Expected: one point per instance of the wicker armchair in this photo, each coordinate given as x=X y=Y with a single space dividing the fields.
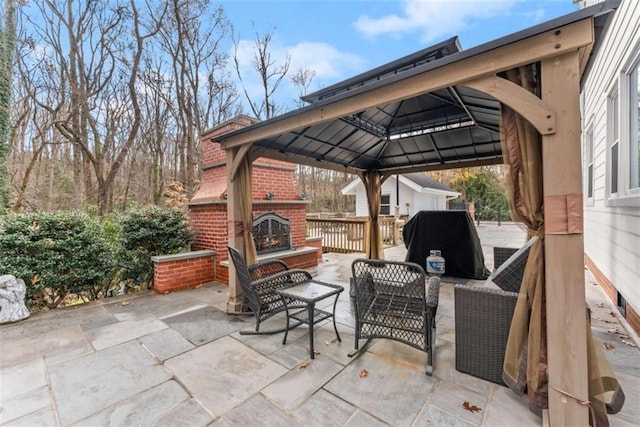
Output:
x=501 y=254
x=391 y=302
x=258 y=283
x=483 y=318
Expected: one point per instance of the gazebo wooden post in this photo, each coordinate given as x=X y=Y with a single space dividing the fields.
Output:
x=234 y=223
x=564 y=248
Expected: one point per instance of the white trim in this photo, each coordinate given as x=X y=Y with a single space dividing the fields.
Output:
x=588 y=159
x=626 y=195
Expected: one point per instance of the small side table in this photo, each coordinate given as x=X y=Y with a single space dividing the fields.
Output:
x=310 y=292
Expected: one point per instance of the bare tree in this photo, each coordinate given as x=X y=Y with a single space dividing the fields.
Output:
x=270 y=73
x=100 y=115
x=302 y=80
x=192 y=37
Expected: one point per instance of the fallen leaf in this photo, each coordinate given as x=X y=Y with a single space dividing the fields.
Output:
x=608 y=346
x=613 y=314
x=316 y=352
x=331 y=341
x=364 y=373
x=125 y=303
x=35 y=279
x=303 y=365
x=470 y=408
x=198 y=286
x=629 y=343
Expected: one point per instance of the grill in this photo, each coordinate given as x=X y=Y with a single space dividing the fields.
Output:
x=271 y=233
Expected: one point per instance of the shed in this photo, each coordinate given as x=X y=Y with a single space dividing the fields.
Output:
x=411 y=193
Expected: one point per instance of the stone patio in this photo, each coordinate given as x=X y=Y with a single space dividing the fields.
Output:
x=178 y=359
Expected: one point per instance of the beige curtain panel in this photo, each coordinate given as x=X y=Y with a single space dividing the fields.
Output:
x=372 y=183
x=246 y=206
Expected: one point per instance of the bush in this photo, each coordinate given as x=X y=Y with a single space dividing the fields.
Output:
x=147 y=232
x=57 y=254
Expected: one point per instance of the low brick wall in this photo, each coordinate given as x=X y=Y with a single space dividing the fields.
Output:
x=182 y=271
x=315 y=242
x=304 y=258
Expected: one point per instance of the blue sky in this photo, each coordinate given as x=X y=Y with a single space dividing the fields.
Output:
x=340 y=38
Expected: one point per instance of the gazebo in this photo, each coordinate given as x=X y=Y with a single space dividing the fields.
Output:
x=514 y=100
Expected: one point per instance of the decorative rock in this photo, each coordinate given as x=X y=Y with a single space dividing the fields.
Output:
x=12 y=293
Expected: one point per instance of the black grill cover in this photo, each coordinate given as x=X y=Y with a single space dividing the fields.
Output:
x=453 y=233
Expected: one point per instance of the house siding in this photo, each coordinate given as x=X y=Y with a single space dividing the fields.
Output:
x=611 y=233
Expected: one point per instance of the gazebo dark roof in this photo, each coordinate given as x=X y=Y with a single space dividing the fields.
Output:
x=453 y=126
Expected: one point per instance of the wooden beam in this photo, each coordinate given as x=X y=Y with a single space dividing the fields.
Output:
x=237 y=160
x=529 y=106
x=234 y=230
x=585 y=52
x=564 y=253
x=545 y=45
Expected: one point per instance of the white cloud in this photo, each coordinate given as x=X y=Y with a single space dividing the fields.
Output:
x=433 y=19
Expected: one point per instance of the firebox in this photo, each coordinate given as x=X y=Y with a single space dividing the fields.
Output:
x=271 y=232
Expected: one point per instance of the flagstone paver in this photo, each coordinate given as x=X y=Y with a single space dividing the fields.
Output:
x=405 y=390
x=46 y=343
x=45 y=417
x=224 y=373
x=205 y=324
x=117 y=333
x=187 y=413
x=166 y=343
x=361 y=419
x=292 y=389
x=505 y=408
x=89 y=384
x=256 y=411
x=451 y=397
x=324 y=409
x=22 y=378
x=23 y=404
x=431 y=415
x=145 y=406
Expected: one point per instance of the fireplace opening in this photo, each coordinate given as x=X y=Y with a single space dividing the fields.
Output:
x=271 y=233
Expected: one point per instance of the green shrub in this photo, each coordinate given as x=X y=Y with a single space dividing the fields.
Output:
x=147 y=232
x=57 y=254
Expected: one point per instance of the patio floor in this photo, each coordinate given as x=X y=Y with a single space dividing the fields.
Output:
x=178 y=359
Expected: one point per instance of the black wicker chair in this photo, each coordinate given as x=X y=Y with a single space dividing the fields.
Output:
x=501 y=254
x=483 y=318
x=258 y=283
x=391 y=302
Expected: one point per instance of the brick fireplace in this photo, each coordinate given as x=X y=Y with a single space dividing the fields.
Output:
x=275 y=197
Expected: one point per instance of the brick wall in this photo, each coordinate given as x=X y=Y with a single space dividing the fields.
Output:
x=182 y=271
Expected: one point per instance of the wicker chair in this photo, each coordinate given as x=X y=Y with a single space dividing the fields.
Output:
x=483 y=318
x=258 y=282
x=391 y=302
x=501 y=254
